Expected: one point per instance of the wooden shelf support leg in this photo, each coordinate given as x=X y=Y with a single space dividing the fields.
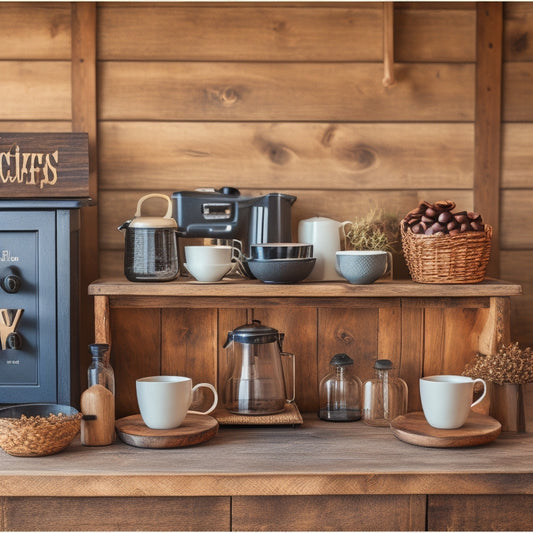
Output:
x=388 y=44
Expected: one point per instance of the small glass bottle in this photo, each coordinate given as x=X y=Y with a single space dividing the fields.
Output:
x=340 y=392
x=100 y=371
x=385 y=396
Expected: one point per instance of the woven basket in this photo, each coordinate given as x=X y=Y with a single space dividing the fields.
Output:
x=441 y=258
x=35 y=436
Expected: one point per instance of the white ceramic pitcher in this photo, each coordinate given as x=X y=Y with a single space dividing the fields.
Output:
x=327 y=237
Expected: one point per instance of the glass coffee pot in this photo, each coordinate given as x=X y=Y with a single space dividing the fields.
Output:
x=340 y=391
x=385 y=396
x=256 y=384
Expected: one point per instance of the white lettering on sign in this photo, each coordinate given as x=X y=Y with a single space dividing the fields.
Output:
x=12 y=362
x=6 y=256
x=28 y=168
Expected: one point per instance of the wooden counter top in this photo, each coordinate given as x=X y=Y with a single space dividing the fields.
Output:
x=316 y=458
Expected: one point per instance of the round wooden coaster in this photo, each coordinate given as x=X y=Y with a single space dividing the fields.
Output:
x=195 y=429
x=414 y=429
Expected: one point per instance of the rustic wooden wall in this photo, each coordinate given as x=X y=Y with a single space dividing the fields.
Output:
x=279 y=97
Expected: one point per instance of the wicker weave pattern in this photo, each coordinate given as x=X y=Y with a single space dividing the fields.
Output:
x=28 y=438
x=442 y=258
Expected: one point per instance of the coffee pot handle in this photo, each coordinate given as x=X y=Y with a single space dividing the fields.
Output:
x=293 y=370
x=168 y=214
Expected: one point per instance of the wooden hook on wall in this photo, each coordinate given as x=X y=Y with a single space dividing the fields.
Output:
x=388 y=44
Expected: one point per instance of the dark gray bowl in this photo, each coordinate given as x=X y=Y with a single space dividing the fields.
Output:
x=281 y=250
x=281 y=270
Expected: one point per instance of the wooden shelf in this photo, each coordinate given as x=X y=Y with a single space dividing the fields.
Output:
x=316 y=458
x=257 y=289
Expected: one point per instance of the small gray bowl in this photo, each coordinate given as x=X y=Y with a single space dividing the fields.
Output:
x=281 y=250
x=281 y=270
x=363 y=267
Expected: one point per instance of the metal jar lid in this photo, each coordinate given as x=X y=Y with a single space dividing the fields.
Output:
x=254 y=333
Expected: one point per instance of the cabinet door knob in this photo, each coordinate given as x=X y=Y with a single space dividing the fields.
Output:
x=11 y=283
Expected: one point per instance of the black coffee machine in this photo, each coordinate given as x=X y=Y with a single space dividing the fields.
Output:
x=224 y=214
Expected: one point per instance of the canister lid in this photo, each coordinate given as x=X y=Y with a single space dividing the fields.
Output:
x=254 y=333
x=383 y=364
x=341 y=359
x=153 y=222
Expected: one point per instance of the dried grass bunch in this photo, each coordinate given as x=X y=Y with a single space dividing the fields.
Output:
x=510 y=365
x=376 y=231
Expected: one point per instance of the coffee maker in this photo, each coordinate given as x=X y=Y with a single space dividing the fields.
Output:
x=225 y=214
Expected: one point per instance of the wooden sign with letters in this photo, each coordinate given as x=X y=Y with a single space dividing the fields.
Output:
x=44 y=165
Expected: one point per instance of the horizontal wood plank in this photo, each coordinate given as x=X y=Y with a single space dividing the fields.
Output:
x=278 y=32
x=517 y=104
x=185 y=155
x=116 y=514
x=516 y=219
x=40 y=30
x=31 y=126
x=250 y=33
x=281 y=91
x=517 y=266
x=504 y=512
x=518 y=25
x=517 y=140
x=35 y=90
x=254 y=288
x=323 y=513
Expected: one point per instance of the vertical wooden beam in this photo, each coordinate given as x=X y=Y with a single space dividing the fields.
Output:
x=487 y=153
x=84 y=119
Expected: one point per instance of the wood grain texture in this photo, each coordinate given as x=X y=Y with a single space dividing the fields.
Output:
x=194 y=430
x=116 y=514
x=516 y=207
x=47 y=31
x=516 y=140
x=22 y=99
x=517 y=105
x=301 y=337
x=504 y=512
x=98 y=401
x=489 y=24
x=280 y=91
x=478 y=430
x=136 y=353
x=328 y=513
x=270 y=33
x=316 y=458
x=353 y=333
x=518 y=23
x=190 y=344
x=297 y=155
x=518 y=265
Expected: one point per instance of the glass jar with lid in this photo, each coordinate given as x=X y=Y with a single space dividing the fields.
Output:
x=340 y=392
x=385 y=396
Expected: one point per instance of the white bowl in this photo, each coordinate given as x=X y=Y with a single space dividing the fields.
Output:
x=208 y=272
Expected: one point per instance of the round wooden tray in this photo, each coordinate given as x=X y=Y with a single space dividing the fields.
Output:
x=414 y=429
x=195 y=429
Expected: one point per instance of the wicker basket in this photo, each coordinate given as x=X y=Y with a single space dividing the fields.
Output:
x=440 y=258
x=25 y=433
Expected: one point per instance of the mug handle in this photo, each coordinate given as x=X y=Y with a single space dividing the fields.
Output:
x=342 y=227
x=215 y=401
x=391 y=263
x=479 y=380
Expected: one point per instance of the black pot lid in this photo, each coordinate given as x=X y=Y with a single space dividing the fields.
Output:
x=254 y=333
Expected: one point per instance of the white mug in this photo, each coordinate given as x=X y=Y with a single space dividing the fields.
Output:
x=447 y=399
x=212 y=254
x=164 y=401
